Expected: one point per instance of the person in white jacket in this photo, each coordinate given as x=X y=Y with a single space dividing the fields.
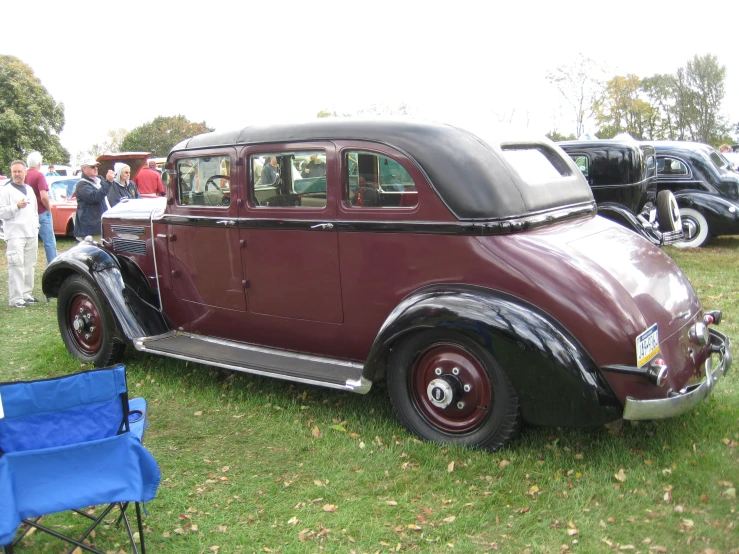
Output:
x=19 y=212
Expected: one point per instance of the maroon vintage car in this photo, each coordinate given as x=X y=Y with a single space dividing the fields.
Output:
x=473 y=275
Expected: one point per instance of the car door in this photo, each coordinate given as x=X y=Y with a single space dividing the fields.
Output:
x=290 y=246
x=206 y=274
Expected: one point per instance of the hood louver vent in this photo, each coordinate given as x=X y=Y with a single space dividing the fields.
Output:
x=137 y=247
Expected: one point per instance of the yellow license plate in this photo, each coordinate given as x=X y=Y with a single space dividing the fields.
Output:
x=647 y=346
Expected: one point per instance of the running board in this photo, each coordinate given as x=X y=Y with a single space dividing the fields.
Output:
x=269 y=362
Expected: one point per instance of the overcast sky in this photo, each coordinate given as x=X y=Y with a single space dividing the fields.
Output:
x=121 y=64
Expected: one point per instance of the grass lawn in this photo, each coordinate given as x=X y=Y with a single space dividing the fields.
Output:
x=257 y=465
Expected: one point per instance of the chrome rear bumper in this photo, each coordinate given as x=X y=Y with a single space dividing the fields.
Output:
x=688 y=398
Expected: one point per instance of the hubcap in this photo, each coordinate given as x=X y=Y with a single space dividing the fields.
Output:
x=85 y=323
x=451 y=388
x=690 y=228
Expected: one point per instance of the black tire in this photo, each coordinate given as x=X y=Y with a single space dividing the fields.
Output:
x=88 y=328
x=668 y=213
x=486 y=415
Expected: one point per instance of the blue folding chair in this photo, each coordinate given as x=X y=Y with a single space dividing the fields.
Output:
x=69 y=443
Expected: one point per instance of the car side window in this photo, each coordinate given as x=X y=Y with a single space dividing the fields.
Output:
x=651 y=167
x=288 y=179
x=376 y=181
x=583 y=164
x=671 y=167
x=204 y=181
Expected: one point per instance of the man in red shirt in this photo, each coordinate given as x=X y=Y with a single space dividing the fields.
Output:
x=149 y=182
x=36 y=180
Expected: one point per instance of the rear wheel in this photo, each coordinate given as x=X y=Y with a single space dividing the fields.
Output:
x=446 y=388
x=695 y=227
x=87 y=326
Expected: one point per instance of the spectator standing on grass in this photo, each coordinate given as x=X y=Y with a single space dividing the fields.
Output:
x=149 y=182
x=19 y=212
x=36 y=180
x=122 y=186
x=91 y=191
x=51 y=172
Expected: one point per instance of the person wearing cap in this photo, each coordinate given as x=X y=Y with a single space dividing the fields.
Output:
x=36 y=180
x=149 y=182
x=18 y=211
x=122 y=186
x=153 y=165
x=51 y=172
x=91 y=192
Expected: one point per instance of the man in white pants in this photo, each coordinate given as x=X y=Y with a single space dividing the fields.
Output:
x=19 y=212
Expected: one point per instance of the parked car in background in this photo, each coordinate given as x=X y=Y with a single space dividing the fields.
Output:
x=705 y=188
x=472 y=274
x=61 y=170
x=622 y=175
x=63 y=204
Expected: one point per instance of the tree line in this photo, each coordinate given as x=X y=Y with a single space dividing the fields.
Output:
x=685 y=105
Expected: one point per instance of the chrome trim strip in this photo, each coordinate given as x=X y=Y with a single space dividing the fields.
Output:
x=688 y=399
x=154 y=255
x=361 y=385
x=460 y=227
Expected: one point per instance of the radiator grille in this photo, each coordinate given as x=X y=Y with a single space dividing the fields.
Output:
x=137 y=247
x=130 y=229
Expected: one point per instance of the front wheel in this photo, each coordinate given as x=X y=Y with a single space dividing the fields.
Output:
x=446 y=388
x=87 y=326
x=695 y=227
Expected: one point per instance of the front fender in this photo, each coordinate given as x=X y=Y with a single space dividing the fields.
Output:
x=623 y=216
x=722 y=214
x=557 y=382
x=119 y=289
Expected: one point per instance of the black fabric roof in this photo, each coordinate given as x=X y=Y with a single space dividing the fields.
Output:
x=472 y=176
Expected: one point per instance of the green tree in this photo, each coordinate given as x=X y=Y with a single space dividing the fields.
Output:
x=705 y=78
x=557 y=136
x=161 y=134
x=30 y=119
x=661 y=91
x=622 y=110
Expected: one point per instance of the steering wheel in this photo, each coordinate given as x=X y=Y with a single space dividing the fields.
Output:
x=225 y=200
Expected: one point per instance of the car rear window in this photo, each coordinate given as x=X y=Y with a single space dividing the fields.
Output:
x=534 y=165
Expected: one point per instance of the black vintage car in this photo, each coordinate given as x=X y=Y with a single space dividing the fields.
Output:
x=622 y=175
x=705 y=187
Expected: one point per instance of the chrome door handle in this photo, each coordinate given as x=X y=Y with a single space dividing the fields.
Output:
x=326 y=226
x=226 y=222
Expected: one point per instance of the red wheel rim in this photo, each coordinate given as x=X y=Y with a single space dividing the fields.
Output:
x=472 y=399
x=85 y=323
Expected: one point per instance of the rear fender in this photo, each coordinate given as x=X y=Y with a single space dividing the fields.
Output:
x=122 y=287
x=557 y=382
x=623 y=216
